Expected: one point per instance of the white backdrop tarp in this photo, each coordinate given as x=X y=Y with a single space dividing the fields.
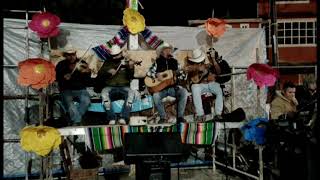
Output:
x=240 y=47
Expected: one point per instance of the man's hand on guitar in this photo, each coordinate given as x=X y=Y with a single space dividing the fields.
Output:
x=212 y=77
x=159 y=76
x=202 y=68
x=190 y=68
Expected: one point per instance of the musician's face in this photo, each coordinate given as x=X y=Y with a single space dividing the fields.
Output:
x=312 y=87
x=289 y=93
x=72 y=57
x=166 y=52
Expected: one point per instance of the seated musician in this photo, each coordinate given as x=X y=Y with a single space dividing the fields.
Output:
x=203 y=78
x=165 y=62
x=113 y=81
x=73 y=76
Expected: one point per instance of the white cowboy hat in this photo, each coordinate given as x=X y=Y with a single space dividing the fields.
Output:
x=69 y=49
x=197 y=56
x=163 y=46
x=115 y=49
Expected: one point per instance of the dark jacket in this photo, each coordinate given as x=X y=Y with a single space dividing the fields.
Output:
x=164 y=64
x=121 y=78
x=77 y=81
x=306 y=100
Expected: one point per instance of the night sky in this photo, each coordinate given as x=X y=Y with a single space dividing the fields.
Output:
x=161 y=12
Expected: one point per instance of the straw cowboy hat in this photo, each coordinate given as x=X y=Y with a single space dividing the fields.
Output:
x=162 y=47
x=197 y=56
x=115 y=50
x=69 y=49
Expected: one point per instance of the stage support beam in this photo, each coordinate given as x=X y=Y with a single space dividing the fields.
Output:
x=133 y=43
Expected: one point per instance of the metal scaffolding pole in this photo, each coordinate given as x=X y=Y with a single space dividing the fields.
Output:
x=274 y=32
x=21 y=11
x=27 y=157
x=274 y=36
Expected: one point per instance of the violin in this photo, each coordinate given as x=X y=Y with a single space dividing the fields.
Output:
x=80 y=66
x=126 y=62
x=83 y=67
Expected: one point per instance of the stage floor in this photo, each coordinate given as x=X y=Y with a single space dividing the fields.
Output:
x=186 y=174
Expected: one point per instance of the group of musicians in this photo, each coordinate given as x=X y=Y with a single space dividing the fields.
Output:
x=113 y=80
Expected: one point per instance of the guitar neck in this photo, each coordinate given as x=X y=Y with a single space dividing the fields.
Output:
x=230 y=74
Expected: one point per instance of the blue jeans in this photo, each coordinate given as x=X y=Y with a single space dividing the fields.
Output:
x=212 y=87
x=182 y=95
x=109 y=94
x=76 y=111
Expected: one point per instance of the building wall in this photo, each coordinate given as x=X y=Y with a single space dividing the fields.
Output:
x=251 y=24
x=304 y=9
x=296 y=55
x=295 y=78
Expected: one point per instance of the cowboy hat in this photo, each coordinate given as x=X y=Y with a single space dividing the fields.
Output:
x=115 y=50
x=69 y=49
x=197 y=56
x=163 y=46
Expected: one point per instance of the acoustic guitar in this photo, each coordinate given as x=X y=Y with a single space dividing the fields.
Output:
x=195 y=74
x=154 y=85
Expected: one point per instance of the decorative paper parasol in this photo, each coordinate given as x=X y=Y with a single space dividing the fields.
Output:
x=133 y=20
x=45 y=24
x=262 y=74
x=36 y=72
x=215 y=27
x=41 y=139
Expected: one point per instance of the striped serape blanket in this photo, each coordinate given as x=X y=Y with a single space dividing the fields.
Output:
x=111 y=137
x=103 y=50
x=151 y=39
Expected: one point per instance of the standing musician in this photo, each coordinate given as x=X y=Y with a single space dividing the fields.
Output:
x=202 y=77
x=114 y=79
x=73 y=76
x=165 y=62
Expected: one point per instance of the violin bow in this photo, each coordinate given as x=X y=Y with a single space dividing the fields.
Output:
x=77 y=64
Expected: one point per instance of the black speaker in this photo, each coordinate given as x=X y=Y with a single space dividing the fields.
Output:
x=149 y=170
x=237 y=115
x=151 y=146
x=153 y=152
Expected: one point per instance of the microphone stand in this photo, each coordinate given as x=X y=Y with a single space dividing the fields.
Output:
x=176 y=88
x=225 y=149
